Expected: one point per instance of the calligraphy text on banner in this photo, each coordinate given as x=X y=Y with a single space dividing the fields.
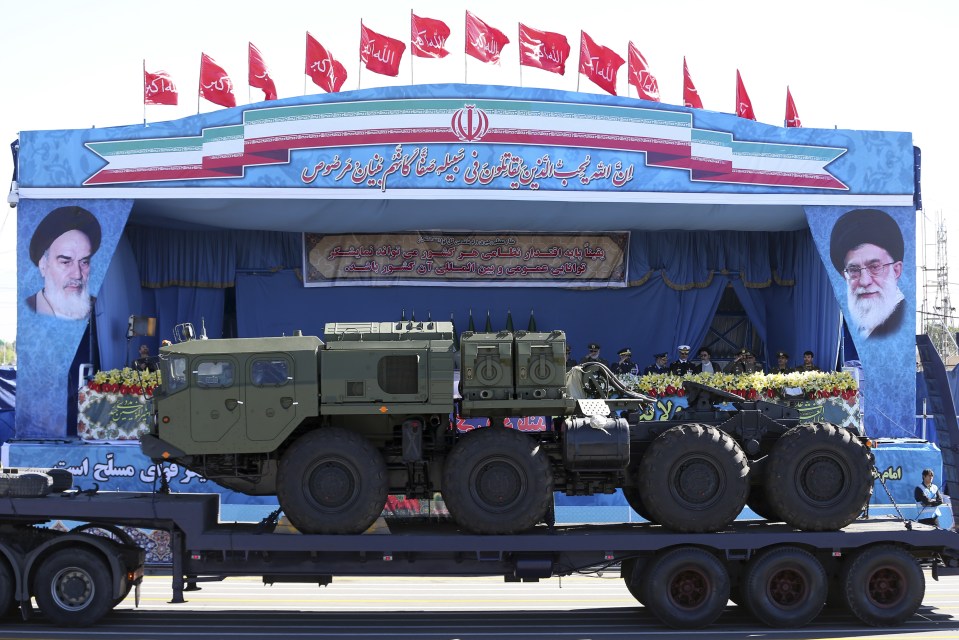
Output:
x=466 y=259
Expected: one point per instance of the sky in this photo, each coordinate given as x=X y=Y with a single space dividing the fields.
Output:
x=852 y=64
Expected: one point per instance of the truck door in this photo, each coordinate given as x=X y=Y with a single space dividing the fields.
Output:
x=270 y=396
x=216 y=398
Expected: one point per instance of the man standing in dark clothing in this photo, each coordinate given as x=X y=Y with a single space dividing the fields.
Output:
x=593 y=355
x=625 y=364
x=928 y=500
x=684 y=365
x=659 y=366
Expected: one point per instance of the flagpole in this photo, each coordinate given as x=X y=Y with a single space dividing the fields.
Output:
x=466 y=36
x=359 y=70
x=411 y=47
x=519 y=47
x=579 y=70
x=199 y=84
x=145 y=100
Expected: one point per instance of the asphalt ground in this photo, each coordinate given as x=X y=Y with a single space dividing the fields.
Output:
x=574 y=608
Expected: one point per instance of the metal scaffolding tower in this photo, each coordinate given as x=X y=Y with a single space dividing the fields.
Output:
x=938 y=319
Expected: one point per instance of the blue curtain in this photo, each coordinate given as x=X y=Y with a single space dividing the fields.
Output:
x=119 y=299
x=176 y=305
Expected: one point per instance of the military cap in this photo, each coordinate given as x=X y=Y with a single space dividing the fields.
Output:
x=58 y=222
x=625 y=351
x=683 y=347
x=745 y=352
x=782 y=354
x=864 y=226
x=593 y=346
x=660 y=355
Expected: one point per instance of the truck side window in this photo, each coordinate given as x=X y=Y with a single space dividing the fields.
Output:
x=174 y=373
x=269 y=373
x=214 y=374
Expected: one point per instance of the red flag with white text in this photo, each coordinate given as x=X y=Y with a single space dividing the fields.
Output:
x=215 y=84
x=744 y=106
x=324 y=70
x=792 y=115
x=428 y=37
x=598 y=63
x=381 y=54
x=483 y=42
x=690 y=95
x=544 y=50
x=260 y=74
x=158 y=88
x=640 y=77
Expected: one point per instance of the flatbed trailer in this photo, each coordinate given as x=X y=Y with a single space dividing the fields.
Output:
x=781 y=575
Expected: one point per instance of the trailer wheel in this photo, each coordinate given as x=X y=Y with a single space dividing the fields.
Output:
x=72 y=588
x=636 y=503
x=332 y=480
x=632 y=574
x=818 y=477
x=7 y=586
x=883 y=586
x=497 y=480
x=785 y=587
x=694 y=478
x=687 y=588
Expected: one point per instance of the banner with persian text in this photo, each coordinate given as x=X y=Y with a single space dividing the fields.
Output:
x=466 y=259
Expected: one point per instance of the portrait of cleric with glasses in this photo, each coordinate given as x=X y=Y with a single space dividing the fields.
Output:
x=866 y=248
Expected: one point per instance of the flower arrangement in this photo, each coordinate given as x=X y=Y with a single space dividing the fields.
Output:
x=752 y=386
x=125 y=381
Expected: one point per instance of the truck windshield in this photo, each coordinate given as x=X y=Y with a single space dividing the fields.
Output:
x=174 y=373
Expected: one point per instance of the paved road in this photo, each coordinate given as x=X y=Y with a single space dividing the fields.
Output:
x=582 y=607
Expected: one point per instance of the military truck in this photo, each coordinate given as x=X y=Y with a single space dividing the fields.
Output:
x=334 y=426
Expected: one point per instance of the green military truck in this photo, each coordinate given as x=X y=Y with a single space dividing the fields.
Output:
x=333 y=426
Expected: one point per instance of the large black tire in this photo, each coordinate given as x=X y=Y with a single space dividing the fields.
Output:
x=632 y=571
x=785 y=587
x=72 y=588
x=759 y=503
x=818 y=477
x=883 y=585
x=7 y=589
x=687 y=588
x=332 y=480
x=693 y=478
x=497 y=480
x=636 y=503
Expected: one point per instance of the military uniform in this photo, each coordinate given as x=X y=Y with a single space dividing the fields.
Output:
x=591 y=348
x=684 y=365
x=625 y=366
x=741 y=365
x=780 y=367
x=656 y=367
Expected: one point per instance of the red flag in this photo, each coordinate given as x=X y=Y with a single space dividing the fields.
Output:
x=381 y=54
x=158 y=88
x=483 y=42
x=640 y=77
x=690 y=95
x=326 y=72
x=792 y=116
x=744 y=106
x=215 y=85
x=260 y=74
x=428 y=37
x=543 y=49
x=598 y=63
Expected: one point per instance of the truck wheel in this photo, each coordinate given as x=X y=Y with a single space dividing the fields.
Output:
x=332 y=480
x=687 y=588
x=759 y=503
x=72 y=588
x=636 y=503
x=818 y=477
x=694 y=478
x=7 y=587
x=497 y=480
x=785 y=587
x=883 y=585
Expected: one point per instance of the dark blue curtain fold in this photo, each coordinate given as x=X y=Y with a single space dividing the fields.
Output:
x=119 y=298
